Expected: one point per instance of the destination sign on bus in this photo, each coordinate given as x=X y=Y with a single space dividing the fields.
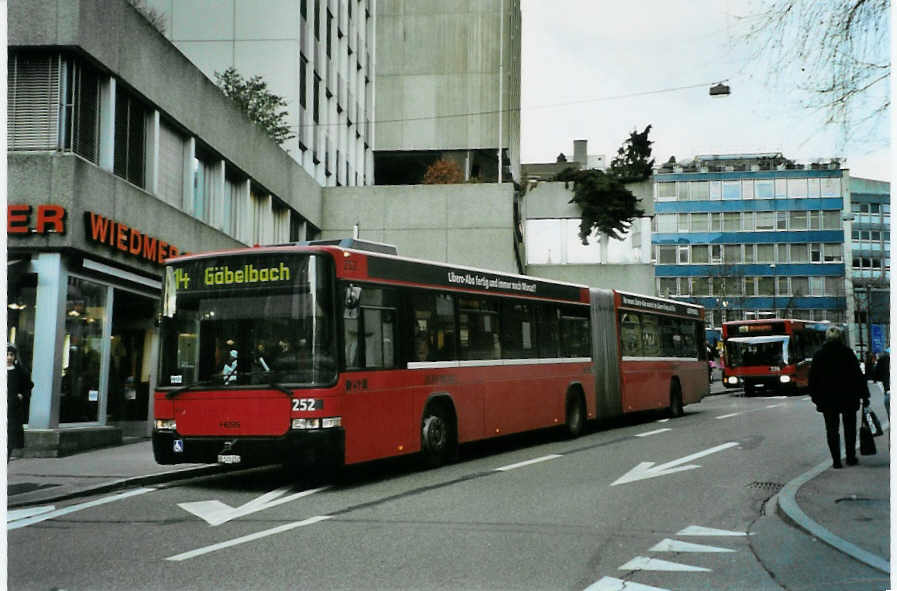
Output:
x=760 y=329
x=236 y=273
x=642 y=303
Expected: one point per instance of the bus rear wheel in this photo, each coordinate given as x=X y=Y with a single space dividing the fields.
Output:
x=676 y=407
x=576 y=416
x=438 y=441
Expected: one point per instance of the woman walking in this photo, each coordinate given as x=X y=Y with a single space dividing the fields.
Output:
x=18 y=393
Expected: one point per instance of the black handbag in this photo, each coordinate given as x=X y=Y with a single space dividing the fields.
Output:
x=874 y=423
x=867 y=443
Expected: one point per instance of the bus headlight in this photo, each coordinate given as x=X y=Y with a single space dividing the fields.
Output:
x=732 y=380
x=325 y=423
x=784 y=379
x=165 y=425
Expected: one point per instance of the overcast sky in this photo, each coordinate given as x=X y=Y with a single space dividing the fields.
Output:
x=578 y=54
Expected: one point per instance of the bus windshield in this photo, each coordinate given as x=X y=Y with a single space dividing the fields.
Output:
x=246 y=320
x=752 y=351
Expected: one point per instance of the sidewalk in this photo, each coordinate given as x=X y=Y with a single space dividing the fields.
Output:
x=847 y=509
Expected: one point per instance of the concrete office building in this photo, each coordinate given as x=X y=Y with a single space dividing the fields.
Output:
x=316 y=54
x=120 y=154
x=553 y=249
x=753 y=236
x=447 y=85
x=870 y=273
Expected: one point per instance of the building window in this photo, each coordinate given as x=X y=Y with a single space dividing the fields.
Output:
x=699 y=191
x=85 y=313
x=782 y=253
x=749 y=253
x=831 y=187
x=666 y=255
x=800 y=286
x=203 y=183
x=781 y=220
x=715 y=190
x=798 y=220
x=732 y=222
x=32 y=102
x=831 y=220
x=666 y=223
x=800 y=253
x=832 y=253
x=764 y=189
x=130 y=137
x=817 y=286
x=813 y=188
x=316 y=98
x=683 y=225
x=683 y=255
x=700 y=253
x=765 y=253
x=81 y=110
x=667 y=286
x=230 y=204
x=303 y=84
x=682 y=189
x=747 y=189
x=731 y=189
x=171 y=165
x=815 y=253
x=781 y=188
x=666 y=191
x=765 y=220
x=732 y=254
x=700 y=222
x=766 y=286
x=797 y=188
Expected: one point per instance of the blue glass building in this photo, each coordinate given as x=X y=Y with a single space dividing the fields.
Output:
x=753 y=236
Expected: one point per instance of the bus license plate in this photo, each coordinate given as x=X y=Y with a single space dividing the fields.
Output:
x=228 y=459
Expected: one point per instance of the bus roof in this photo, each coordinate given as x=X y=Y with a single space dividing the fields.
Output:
x=379 y=266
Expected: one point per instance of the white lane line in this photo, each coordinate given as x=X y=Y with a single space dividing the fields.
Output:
x=663 y=421
x=527 y=462
x=612 y=584
x=773 y=405
x=652 y=432
x=734 y=414
x=669 y=545
x=697 y=530
x=54 y=514
x=645 y=563
x=249 y=538
x=17 y=514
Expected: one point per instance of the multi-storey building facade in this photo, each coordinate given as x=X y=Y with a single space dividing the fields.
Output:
x=870 y=272
x=121 y=153
x=316 y=54
x=447 y=85
x=753 y=236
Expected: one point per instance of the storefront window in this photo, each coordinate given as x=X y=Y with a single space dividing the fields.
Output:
x=21 y=290
x=130 y=357
x=85 y=311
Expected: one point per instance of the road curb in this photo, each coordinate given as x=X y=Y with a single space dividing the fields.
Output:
x=146 y=479
x=787 y=507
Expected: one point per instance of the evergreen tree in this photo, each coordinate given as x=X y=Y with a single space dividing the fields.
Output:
x=257 y=102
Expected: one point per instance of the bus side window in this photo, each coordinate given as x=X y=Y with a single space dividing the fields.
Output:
x=433 y=327
x=576 y=338
x=631 y=334
x=650 y=336
x=478 y=328
x=378 y=318
x=548 y=329
x=351 y=330
x=517 y=331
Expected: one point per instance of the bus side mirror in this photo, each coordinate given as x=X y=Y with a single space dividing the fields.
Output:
x=353 y=296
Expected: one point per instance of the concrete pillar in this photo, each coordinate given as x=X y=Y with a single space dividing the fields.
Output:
x=49 y=336
x=107 y=124
x=152 y=153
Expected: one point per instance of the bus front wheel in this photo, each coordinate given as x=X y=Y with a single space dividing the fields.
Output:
x=676 y=407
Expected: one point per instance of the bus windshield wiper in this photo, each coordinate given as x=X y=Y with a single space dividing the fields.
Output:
x=265 y=372
x=188 y=387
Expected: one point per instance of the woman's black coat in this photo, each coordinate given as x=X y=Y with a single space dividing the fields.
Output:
x=836 y=381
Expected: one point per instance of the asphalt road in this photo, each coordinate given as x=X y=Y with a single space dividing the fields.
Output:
x=525 y=512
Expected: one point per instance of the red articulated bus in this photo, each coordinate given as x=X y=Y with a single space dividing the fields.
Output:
x=773 y=354
x=339 y=351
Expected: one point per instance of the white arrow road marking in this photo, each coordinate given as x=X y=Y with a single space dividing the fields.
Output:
x=54 y=514
x=697 y=530
x=216 y=512
x=612 y=584
x=645 y=563
x=527 y=462
x=645 y=469
x=249 y=538
x=669 y=545
x=17 y=514
x=652 y=432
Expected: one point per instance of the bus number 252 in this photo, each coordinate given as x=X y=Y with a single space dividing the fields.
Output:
x=308 y=404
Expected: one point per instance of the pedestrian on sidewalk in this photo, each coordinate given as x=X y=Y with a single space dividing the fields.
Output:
x=18 y=394
x=837 y=385
x=883 y=375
